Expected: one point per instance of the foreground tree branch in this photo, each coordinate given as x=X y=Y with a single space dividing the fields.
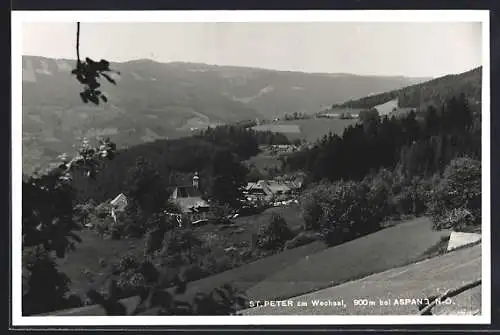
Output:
x=449 y=294
x=89 y=73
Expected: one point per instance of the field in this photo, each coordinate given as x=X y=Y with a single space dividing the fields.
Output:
x=264 y=161
x=310 y=130
x=313 y=266
x=388 y=248
x=416 y=281
x=83 y=265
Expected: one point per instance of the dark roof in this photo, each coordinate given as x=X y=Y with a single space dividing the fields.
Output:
x=187 y=203
x=188 y=191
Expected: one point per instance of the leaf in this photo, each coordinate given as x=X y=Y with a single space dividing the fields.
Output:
x=94 y=99
x=104 y=98
x=111 y=80
x=104 y=63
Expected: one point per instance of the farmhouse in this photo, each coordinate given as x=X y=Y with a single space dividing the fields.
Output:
x=271 y=190
x=118 y=204
x=258 y=191
x=189 y=199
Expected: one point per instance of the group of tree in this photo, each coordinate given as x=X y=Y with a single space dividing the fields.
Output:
x=174 y=160
x=50 y=227
x=344 y=210
x=418 y=146
x=296 y=116
x=242 y=140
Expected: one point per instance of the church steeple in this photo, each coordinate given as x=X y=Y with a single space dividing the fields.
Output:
x=196 y=180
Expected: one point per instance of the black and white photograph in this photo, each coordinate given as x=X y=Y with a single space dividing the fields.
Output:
x=326 y=167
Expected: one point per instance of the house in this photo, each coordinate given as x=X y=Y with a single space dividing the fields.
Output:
x=267 y=190
x=279 y=189
x=258 y=191
x=189 y=199
x=118 y=204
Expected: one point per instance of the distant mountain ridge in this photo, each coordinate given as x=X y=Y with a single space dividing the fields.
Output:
x=155 y=100
x=420 y=95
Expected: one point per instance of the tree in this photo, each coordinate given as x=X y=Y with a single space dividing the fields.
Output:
x=274 y=235
x=84 y=211
x=254 y=174
x=146 y=188
x=456 y=201
x=228 y=176
x=340 y=210
x=49 y=227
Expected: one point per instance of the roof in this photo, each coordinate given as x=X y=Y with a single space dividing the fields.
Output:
x=268 y=186
x=277 y=187
x=119 y=201
x=189 y=202
x=293 y=183
x=261 y=185
x=186 y=191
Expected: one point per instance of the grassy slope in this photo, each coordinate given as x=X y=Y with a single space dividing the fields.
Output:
x=87 y=254
x=415 y=281
x=388 y=248
x=311 y=267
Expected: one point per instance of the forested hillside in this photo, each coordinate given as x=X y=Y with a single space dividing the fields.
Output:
x=434 y=92
x=416 y=147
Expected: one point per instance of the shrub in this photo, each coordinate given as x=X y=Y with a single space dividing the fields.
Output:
x=158 y=226
x=457 y=219
x=274 y=235
x=413 y=197
x=133 y=275
x=45 y=288
x=379 y=192
x=456 y=201
x=181 y=247
x=132 y=222
x=312 y=202
x=340 y=211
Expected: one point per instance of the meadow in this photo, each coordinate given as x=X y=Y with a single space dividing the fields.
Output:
x=296 y=271
x=84 y=268
x=309 y=130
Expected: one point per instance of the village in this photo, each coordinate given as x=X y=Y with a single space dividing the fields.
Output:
x=195 y=207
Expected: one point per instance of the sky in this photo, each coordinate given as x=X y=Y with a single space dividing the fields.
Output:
x=416 y=49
